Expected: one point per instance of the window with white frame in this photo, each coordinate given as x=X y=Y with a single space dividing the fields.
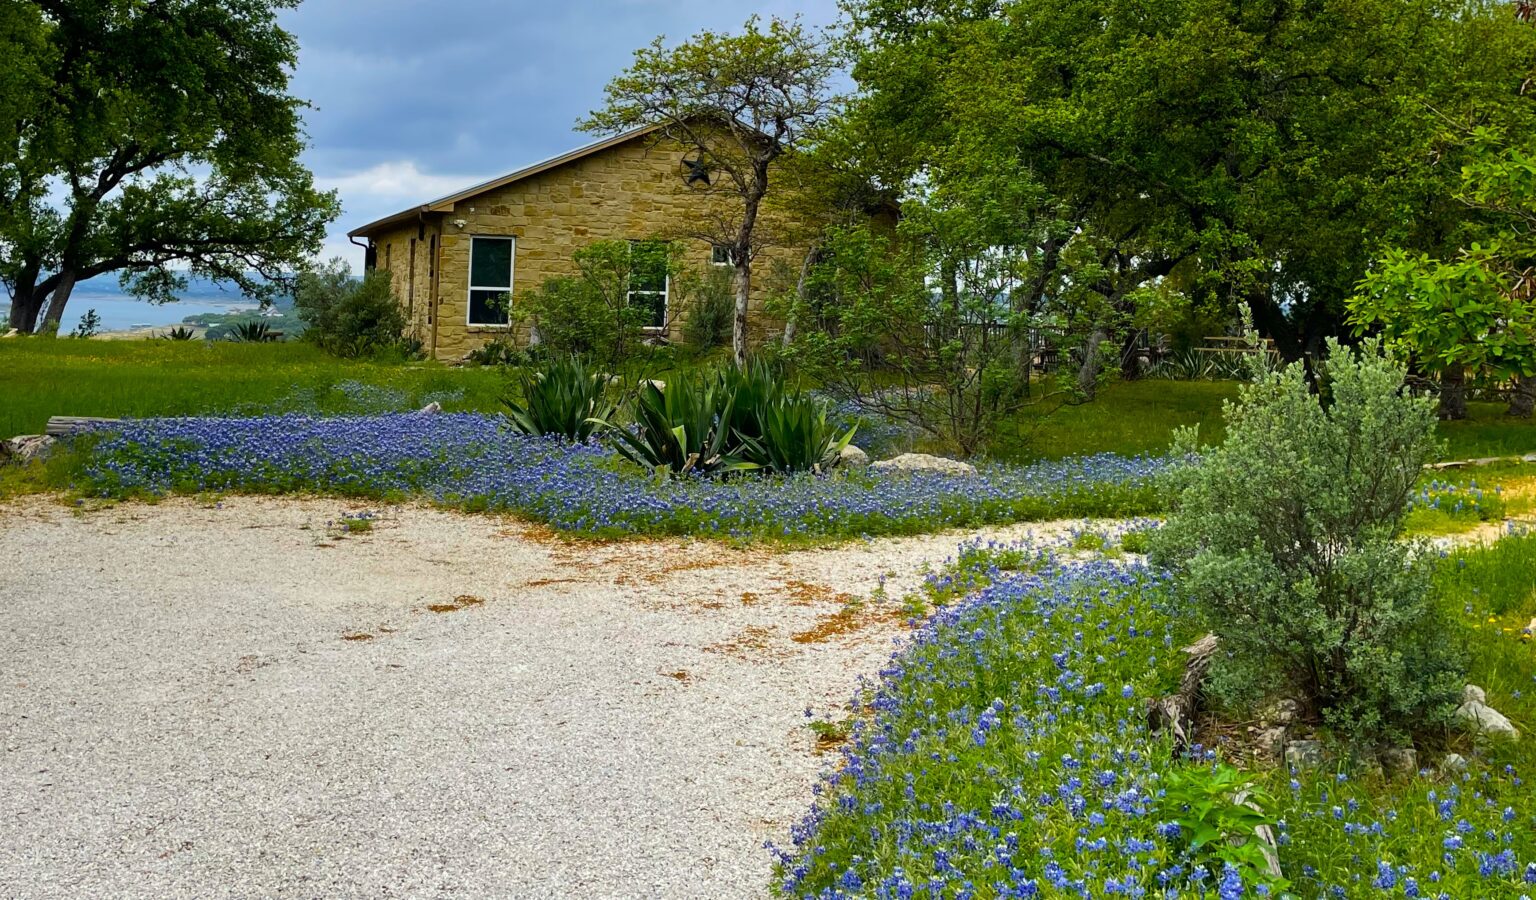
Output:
x=649 y=262
x=720 y=255
x=490 y=280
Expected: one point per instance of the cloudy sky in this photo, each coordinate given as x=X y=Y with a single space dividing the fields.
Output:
x=416 y=99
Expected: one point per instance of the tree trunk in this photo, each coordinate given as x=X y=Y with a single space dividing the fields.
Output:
x=1522 y=397
x=1088 y=373
x=58 y=300
x=1453 y=393
x=802 y=294
x=26 y=301
x=743 y=286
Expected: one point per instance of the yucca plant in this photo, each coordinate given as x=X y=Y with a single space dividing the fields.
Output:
x=681 y=427
x=252 y=333
x=179 y=333
x=795 y=437
x=563 y=398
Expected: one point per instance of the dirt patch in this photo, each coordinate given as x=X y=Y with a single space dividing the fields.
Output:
x=463 y=601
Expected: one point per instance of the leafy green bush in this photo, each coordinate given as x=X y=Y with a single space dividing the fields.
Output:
x=1286 y=537
x=499 y=351
x=1219 y=812
x=348 y=317
x=563 y=398
x=597 y=312
x=710 y=307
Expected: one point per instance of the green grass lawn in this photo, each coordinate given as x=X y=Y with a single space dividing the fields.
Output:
x=41 y=378
x=1140 y=416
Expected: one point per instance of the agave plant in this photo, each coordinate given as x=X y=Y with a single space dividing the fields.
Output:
x=682 y=427
x=179 y=333
x=563 y=398
x=252 y=333
x=795 y=437
x=754 y=388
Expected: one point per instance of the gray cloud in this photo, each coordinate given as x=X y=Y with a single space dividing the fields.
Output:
x=413 y=100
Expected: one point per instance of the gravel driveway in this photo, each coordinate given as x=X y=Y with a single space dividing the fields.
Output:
x=236 y=700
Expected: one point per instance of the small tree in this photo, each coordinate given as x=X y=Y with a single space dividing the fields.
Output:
x=736 y=103
x=1287 y=539
x=600 y=313
x=346 y=316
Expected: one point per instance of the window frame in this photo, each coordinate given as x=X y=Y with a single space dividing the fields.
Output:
x=469 y=276
x=665 y=292
x=720 y=250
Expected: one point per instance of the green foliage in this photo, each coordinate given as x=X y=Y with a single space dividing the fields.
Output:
x=795 y=437
x=953 y=361
x=1242 y=151
x=1286 y=537
x=348 y=317
x=499 y=351
x=680 y=428
x=563 y=398
x=90 y=324
x=1215 y=829
x=155 y=140
x=252 y=333
x=708 y=321
x=591 y=313
x=179 y=333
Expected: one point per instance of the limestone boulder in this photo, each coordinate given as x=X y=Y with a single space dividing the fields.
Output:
x=909 y=463
x=1475 y=715
x=24 y=448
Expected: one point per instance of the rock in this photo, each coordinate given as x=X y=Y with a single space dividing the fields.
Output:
x=14 y=332
x=24 y=448
x=1400 y=762
x=852 y=457
x=1529 y=457
x=656 y=383
x=1270 y=741
x=1281 y=712
x=1480 y=718
x=1304 y=754
x=923 y=462
x=431 y=409
x=1453 y=762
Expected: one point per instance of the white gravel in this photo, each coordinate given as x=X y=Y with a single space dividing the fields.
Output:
x=189 y=705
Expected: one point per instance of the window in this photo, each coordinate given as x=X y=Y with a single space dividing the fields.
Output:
x=720 y=255
x=490 y=280
x=648 y=280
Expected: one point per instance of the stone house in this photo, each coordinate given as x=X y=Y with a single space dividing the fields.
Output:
x=454 y=259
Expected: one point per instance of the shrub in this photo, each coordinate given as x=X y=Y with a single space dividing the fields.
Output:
x=90 y=325
x=710 y=307
x=564 y=398
x=179 y=333
x=591 y=313
x=348 y=317
x=500 y=351
x=1286 y=537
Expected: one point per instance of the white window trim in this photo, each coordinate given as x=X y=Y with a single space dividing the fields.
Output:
x=719 y=262
x=469 y=294
x=666 y=304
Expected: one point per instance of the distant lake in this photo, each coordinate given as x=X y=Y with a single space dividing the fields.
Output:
x=119 y=311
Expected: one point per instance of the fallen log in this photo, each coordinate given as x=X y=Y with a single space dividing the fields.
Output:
x=64 y=426
x=1176 y=711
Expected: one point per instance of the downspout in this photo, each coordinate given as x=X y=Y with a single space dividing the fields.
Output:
x=366 y=248
x=432 y=297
